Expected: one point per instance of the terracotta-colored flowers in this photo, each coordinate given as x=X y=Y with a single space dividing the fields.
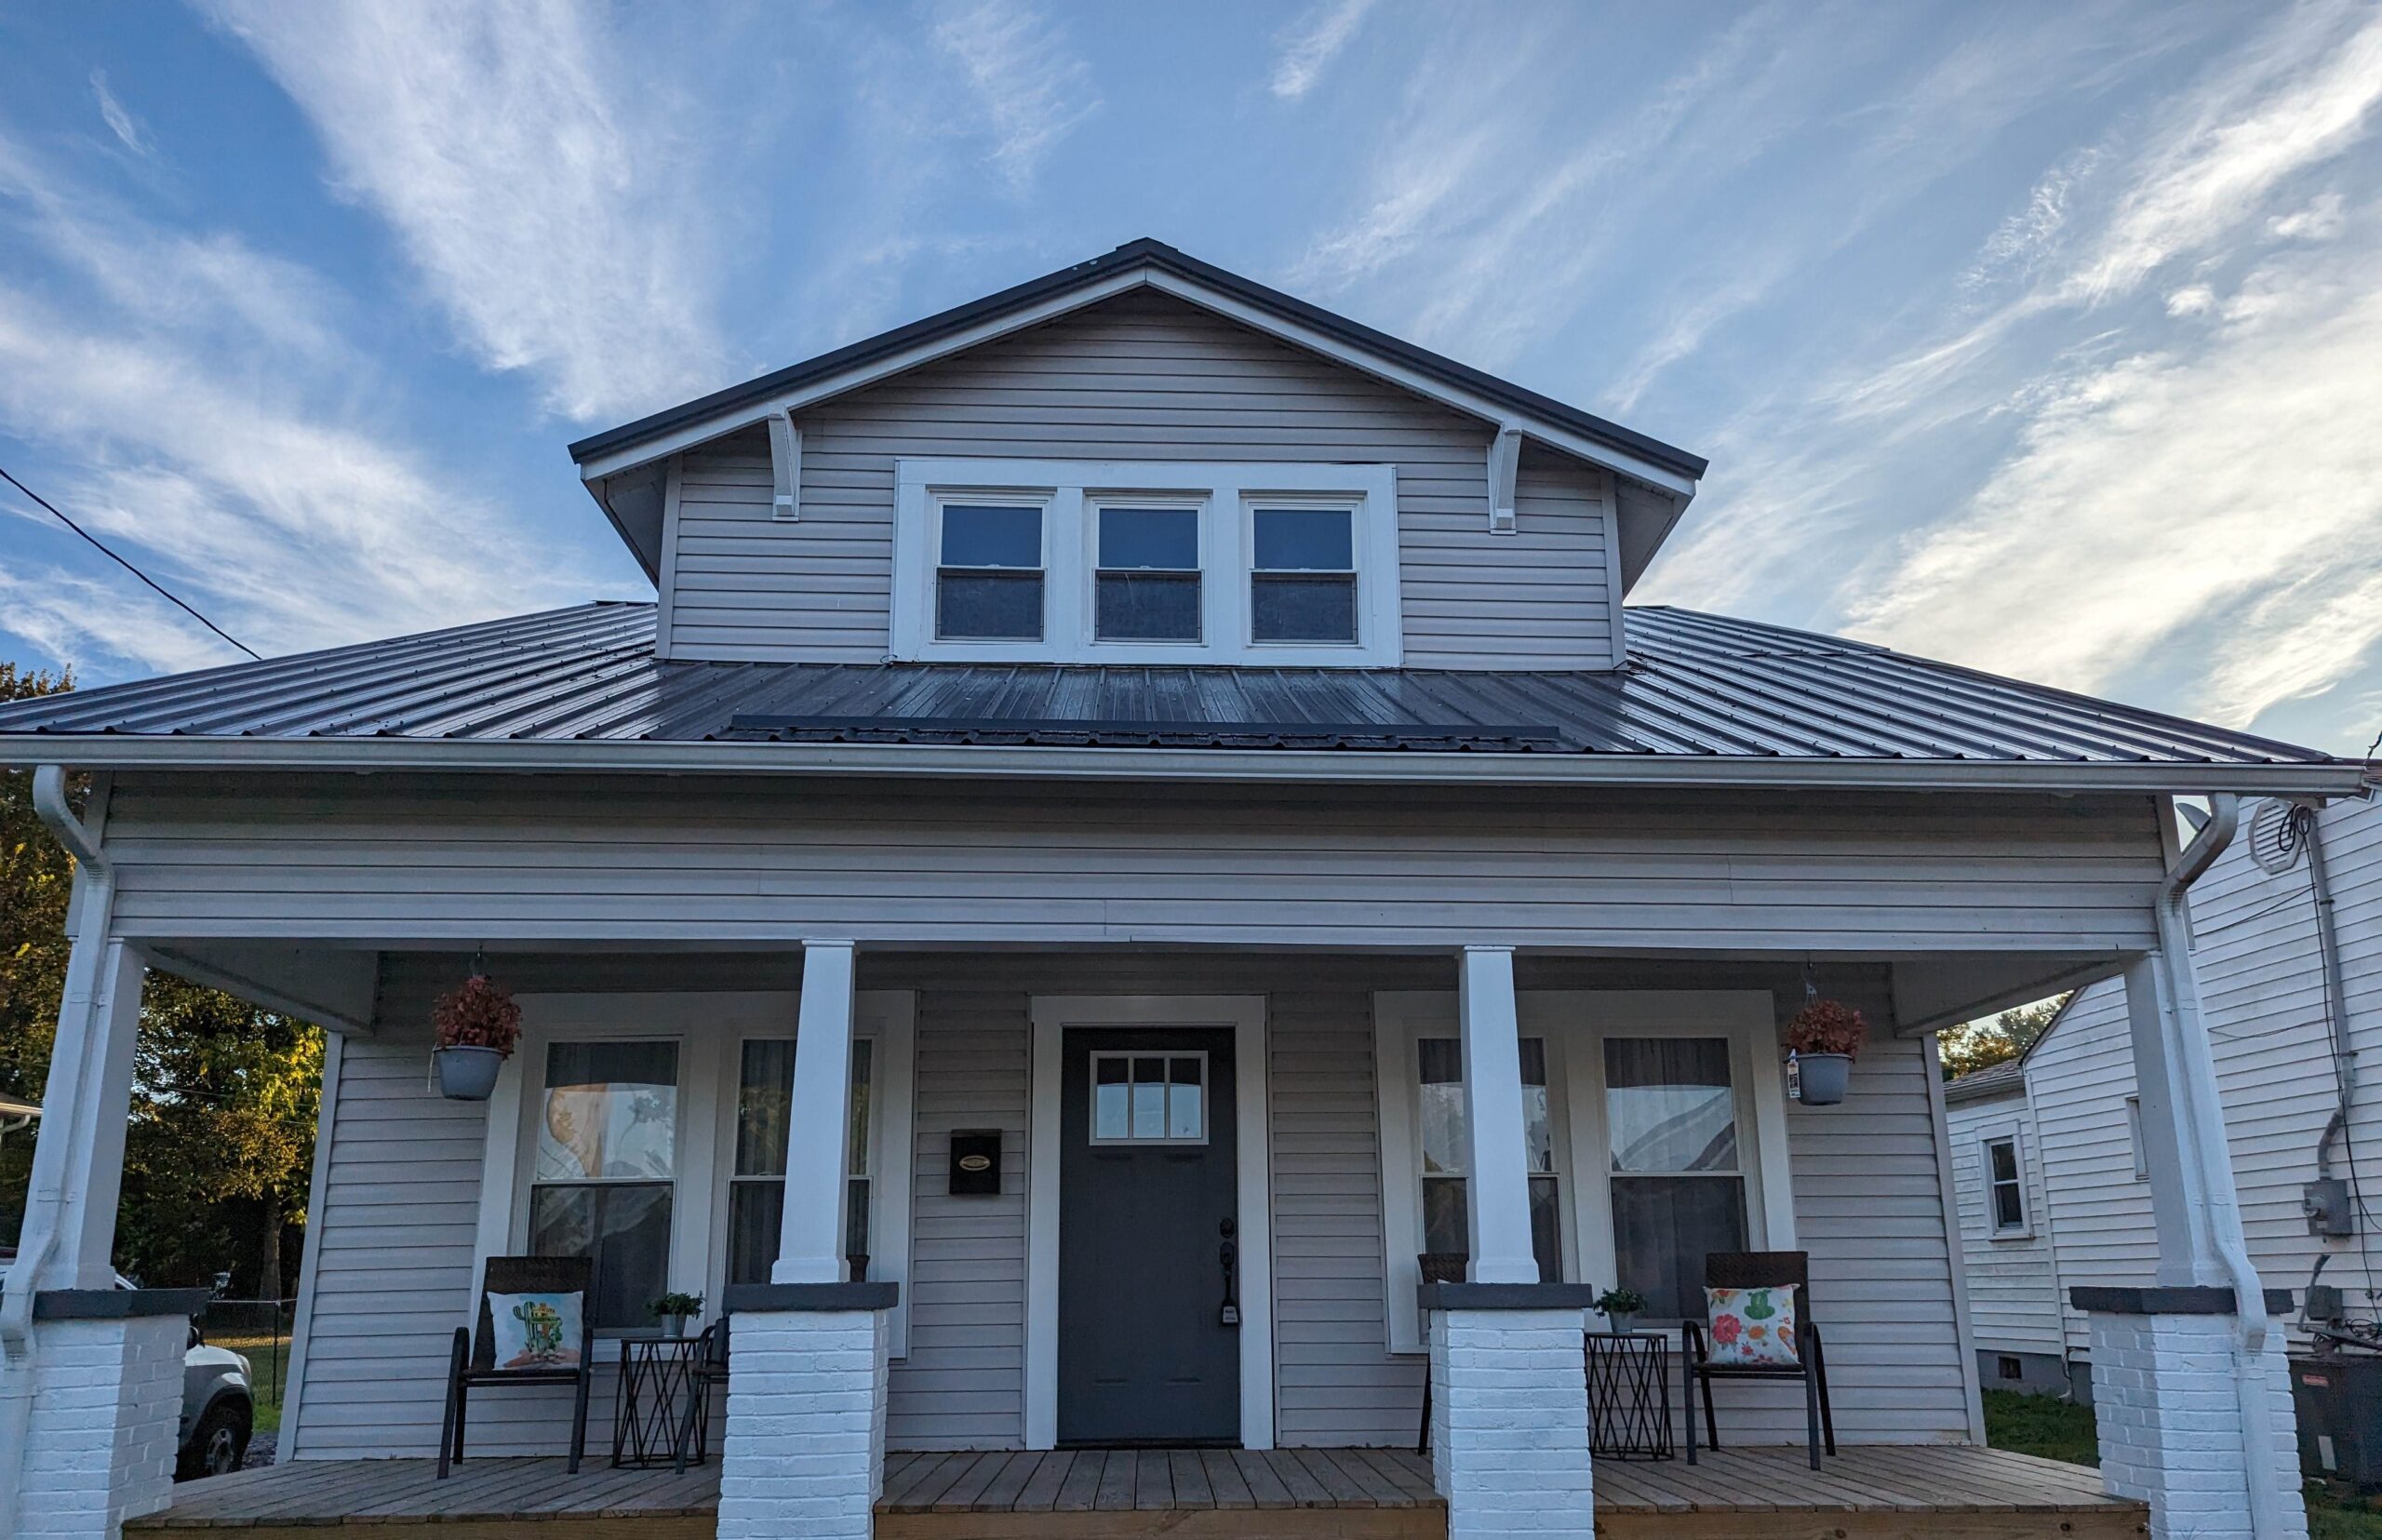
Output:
x=1827 y=1026
x=480 y=1014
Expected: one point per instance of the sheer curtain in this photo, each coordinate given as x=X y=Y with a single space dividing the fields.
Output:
x=1678 y=1189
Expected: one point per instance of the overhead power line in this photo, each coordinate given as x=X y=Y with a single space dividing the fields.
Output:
x=160 y=588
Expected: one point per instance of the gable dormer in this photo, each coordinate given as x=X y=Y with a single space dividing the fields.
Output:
x=1139 y=476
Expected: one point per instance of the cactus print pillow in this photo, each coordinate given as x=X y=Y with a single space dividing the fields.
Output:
x=1753 y=1328
x=535 y=1330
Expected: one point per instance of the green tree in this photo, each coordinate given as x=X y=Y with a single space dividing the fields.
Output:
x=1977 y=1045
x=220 y=1145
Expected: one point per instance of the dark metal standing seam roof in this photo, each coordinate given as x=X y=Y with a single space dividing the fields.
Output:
x=1696 y=686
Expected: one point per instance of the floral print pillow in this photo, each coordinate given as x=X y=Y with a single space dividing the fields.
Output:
x=1753 y=1328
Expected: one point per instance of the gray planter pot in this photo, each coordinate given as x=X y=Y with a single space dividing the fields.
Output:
x=1620 y=1325
x=1823 y=1077
x=466 y=1074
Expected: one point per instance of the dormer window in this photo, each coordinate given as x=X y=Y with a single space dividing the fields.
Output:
x=1147 y=586
x=988 y=583
x=1161 y=562
x=1303 y=584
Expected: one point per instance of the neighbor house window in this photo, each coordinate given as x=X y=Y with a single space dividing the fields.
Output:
x=606 y=1169
x=756 y=1184
x=1678 y=1179
x=1443 y=1140
x=1146 y=582
x=2005 y=1188
x=1303 y=575
x=1149 y=1098
x=988 y=579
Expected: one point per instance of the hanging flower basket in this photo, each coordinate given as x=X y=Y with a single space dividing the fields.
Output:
x=476 y=1027
x=1823 y=1039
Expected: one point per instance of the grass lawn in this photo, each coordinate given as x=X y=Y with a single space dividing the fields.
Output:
x=2059 y=1431
x=269 y=1372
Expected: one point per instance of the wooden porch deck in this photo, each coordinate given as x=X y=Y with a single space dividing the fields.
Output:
x=1752 y=1494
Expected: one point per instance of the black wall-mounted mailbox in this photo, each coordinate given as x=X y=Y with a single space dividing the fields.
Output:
x=975 y=1163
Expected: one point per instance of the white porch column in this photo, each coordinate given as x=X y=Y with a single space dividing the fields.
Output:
x=2189 y=1385
x=1497 y=1161
x=804 y=1452
x=1510 y=1410
x=91 y=1377
x=819 y=1123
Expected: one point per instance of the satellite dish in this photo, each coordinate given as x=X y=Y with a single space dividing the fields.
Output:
x=2279 y=834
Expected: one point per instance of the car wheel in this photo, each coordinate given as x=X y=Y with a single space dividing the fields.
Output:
x=217 y=1444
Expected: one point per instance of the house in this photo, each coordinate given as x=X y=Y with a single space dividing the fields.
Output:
x=2291 y=1012
x=1137 y=813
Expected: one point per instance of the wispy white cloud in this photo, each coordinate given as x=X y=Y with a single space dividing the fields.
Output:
x=1032 y=88
x=561 y=227
x=194 y=428
x=120 y=122
x=1309 y=44
x=2170 y=480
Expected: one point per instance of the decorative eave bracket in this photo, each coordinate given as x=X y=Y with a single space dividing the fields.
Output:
x=1504 y=459
x=785 y=466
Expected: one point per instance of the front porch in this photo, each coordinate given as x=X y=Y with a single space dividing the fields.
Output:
x=1765 y=1492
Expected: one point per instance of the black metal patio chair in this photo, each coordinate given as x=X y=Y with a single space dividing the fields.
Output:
x=473 y=1364
x=1760 y=1271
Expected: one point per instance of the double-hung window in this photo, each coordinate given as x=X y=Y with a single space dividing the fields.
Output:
x=1303 y=575
x=757 y=1183
x=2005 y=1187
x=1146 y=587
x=604 y=1182
x=1654 y=1134
x=1174 y=562
x=1678 y=1189
x=1441 y=1125
x=989 y=572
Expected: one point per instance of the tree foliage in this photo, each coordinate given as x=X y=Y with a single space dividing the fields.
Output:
x=220 y=1144
x=1978 y=1045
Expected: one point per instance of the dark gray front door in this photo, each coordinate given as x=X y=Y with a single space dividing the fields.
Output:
x=1147 y=1207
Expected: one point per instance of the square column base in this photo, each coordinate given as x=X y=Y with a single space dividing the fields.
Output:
x=107 y=1401
x=1509 y=1423
x=2165 y=1392
x=804 y=1452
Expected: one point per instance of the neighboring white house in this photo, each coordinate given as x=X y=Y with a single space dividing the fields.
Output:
x=2069 y=1113
x=1187 y=754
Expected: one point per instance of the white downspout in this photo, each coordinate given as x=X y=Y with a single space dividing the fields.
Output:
x=94 y=894
x=2189 y=1041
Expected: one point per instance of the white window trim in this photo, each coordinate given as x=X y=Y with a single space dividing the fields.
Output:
x=1135 y=1140
x=709 y=1029
x=1069 y=492
x=1053 y=1015
x=1994 y=1229
x=1574 y=1024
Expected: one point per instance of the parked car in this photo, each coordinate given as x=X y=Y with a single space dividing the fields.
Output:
x=219 y=1403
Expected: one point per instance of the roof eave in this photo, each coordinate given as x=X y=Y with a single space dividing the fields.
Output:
x=1140 y=263
x=108 y=751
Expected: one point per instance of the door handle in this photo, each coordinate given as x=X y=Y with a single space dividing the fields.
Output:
x=1229 y=1256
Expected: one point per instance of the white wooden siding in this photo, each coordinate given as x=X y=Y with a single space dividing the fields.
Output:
x=664 y=862
x=1143 y=377
x=2261 y=988
x=963 y=1385
x=2013 y=1291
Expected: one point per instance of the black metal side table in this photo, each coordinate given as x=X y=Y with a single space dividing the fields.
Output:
x=1629 y=1395
x=659 y=1409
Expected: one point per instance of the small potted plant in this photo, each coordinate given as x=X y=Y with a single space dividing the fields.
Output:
x=674 y=1310
x=476 y=1027
x=1617 y=1306
x=1823 y=1038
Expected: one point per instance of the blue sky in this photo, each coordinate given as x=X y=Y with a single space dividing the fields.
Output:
x=2042 y=337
